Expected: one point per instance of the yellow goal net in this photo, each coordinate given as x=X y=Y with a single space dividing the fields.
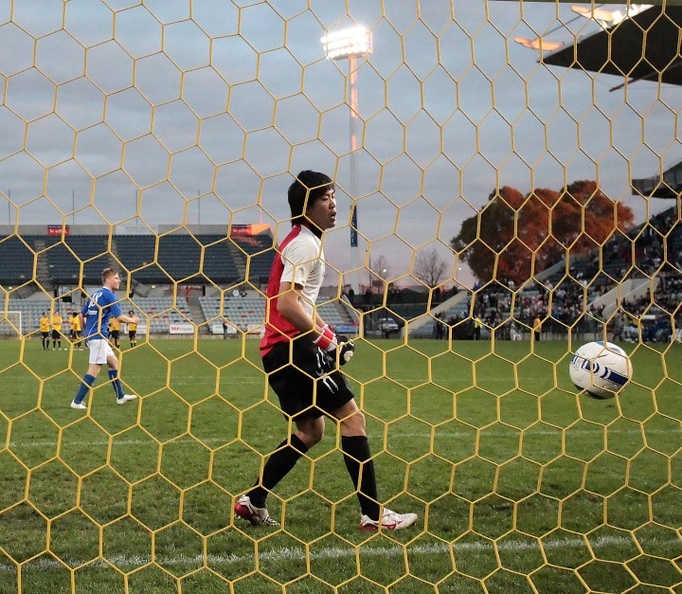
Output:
x=508 y=190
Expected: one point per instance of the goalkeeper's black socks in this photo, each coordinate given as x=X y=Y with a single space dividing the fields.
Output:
x=282 y=460
x=360 y=466
x=356 y=455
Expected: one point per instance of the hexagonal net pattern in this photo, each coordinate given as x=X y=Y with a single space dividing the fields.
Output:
x=160 y=138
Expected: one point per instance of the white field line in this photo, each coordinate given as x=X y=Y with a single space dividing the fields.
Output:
x=299 y=554
x=441 y=434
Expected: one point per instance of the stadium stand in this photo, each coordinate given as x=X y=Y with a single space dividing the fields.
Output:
x=57 y=259
x=151 y=259
x=248 y=311
x=572 y=300
x=17 y=260
x=63 y=258
x=257 y=253
x=178 y=257
x=137 y=253
x=30 y=313
x=159 y=313
x=219 y=264
x=336 y=314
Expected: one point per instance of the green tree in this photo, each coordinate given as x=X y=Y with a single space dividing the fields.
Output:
x=514 y=236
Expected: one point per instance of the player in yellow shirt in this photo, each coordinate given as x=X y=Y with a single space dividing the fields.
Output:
x=114 y=332
x=45 y=330
x=56 y=330
x=132 y=330
x=76 y=330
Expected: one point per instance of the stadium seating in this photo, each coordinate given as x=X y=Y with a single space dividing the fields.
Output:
x=17 y=261
x=219 y=264
x=31 y=311
x=257 y=252
x=153 y=260
x=216 y=258
x=64 y=258
x=137 y=253
x=159 y=312
x=30 y=314
x=245 y=311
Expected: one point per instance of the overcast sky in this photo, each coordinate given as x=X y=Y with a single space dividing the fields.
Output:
x=113 y=106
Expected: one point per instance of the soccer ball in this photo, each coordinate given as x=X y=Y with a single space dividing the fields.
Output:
x=600 y=368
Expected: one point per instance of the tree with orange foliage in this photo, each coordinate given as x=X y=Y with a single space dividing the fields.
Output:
x=514 y=237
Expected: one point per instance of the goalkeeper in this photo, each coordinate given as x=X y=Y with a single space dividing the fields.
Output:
x=302 y=354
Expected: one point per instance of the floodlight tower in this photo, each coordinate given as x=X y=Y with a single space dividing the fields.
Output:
x=351 y=44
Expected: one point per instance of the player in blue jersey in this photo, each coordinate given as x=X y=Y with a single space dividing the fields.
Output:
x=95 y=316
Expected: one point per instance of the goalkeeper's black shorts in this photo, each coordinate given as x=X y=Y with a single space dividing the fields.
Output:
x=305 y=379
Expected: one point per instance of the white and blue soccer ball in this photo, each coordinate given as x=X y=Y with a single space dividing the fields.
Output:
x=600 y=368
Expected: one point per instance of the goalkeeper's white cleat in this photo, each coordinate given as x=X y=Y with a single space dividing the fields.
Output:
x=258 y=516
x=390 y=520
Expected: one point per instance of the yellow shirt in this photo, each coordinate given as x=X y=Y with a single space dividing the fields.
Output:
x=44 y=324
x=132 y=327
x=57 y=323
x=537 y=325
x=114 y=325
x=76 y=324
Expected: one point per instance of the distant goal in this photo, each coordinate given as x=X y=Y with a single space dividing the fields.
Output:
x=11 y=325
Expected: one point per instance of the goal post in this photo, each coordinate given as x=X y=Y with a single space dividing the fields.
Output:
x=11 y=325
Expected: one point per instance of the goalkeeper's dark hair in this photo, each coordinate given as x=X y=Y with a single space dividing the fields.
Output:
x=308 y=186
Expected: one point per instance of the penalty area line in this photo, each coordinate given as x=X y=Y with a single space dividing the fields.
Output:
x=443 y=434
x=299 y=554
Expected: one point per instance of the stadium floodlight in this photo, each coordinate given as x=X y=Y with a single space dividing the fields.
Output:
x=608 y=18
x=354 y=42
x=351 y=44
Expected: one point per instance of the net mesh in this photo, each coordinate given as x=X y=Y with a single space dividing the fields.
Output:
x=160 y=137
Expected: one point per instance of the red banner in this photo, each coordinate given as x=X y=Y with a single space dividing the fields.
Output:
x=248 y=229
x=56 y=230
x=240 y=230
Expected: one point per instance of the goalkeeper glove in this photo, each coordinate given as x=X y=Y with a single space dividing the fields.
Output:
x=345 y=348
x=328 y=342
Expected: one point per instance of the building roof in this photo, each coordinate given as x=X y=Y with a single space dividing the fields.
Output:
x=644 y=46
x=668 y=185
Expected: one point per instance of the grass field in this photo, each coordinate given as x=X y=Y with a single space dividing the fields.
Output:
x=520 y=483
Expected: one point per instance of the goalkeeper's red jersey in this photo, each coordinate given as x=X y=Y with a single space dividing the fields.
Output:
x=299 y=260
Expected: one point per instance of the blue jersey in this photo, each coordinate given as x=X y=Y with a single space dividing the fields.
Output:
x=97 y=312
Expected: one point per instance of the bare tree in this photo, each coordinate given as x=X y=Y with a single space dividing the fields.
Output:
x=379 y=271
x=429 y=268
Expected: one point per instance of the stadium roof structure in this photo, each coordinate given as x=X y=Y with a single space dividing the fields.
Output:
x=621 y=2
x=668 y=185
x=641 y=46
